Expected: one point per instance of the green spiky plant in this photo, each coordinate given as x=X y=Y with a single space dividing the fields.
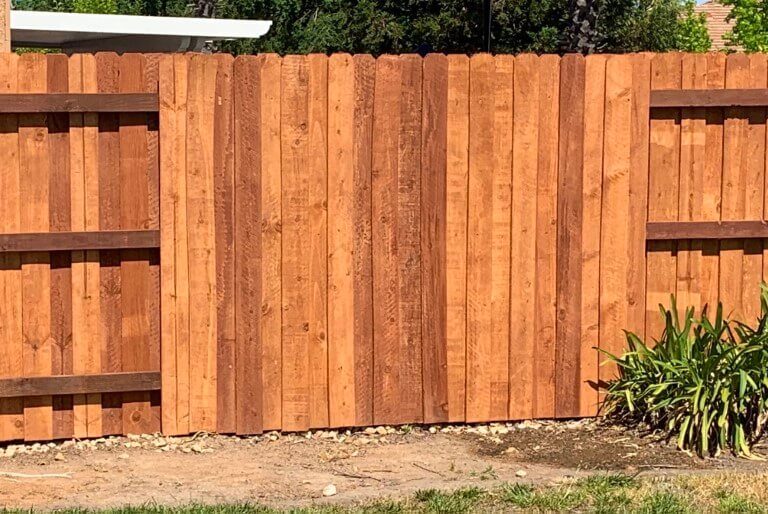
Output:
x=704 y=381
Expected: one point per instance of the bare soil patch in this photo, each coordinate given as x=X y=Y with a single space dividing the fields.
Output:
x=595 y=446
x=293 y=470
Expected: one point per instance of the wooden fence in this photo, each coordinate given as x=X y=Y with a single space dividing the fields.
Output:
x=349 y=241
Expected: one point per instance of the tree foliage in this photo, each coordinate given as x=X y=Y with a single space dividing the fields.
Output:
x=750 y=28
x=396 y=26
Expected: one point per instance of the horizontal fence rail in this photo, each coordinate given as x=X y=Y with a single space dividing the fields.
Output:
x=78 y=102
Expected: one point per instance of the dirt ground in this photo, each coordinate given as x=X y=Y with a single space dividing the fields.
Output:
x=293 y=470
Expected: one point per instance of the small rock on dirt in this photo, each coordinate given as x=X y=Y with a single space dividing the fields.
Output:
x=59 y=457
x=521 y=473
x=329 y=490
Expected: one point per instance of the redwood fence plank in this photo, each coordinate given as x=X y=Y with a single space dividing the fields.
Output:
x=365 y=69
x=11 y=410
x=247 y=243
x=60 y=219
x=592 y=190
x=341 y=236
x=226 y=337
x=200 y=189
x=433 y=238
x=570 y=224
x=35 y=267
x=523 y=248
x=297 y=387
x=271 y=243
x=663 y=190
x=107 y=65
x=457 y=199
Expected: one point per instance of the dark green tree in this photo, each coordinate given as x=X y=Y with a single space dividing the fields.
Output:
x=397 y=26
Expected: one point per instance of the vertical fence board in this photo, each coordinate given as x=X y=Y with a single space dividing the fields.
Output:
x=134 y=265
x=753 y=164
x=546 y=238
x=692 y=163
x=35 y=267
x=224 y=199
x=11 y=339
x=433 y=238
x=271 y=244
x=523 y=249
x=342 y=311
x=614 y=244
x=395 y=228
x=479 y=267
x=60 y=219
x=592 y=189
x=109 y=219
x=296 y=233
x=663 y=182
x=317 y=201
x=201 y=242
x=639 y=159
x=247 y=394
x=711 y=200
x=169 y=160
x=365 y=68
x=457 y=199
x=570 y=226
x=488 y=257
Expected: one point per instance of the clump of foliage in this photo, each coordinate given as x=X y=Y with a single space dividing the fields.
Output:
x=692 y=33
x=705 y=381
x=750 y=28
x=451 y=26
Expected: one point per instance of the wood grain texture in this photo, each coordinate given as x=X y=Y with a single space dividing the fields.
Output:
x=570 y=226
x=341 y=236
x=663 y=190
x=201 y=240
x=247 y=239
x=488 y=258
x=60 y=219
x=395 y=233
x=107 y=68
x=63 y=385
x=134 y=266
x=66 y=240
x=11 y=330
x=692 y=163
x=271 y=243
x=614 y=239
x=743 y=176
x=711 y=197
x=59 y=101
x=638 y=192
x=696 y=95
x=546 y=238
x=434 y=306
x=295 y=269
x=457 y=200
x=168 y=206
x=224 y=201
x=523 y=250
x=35 y=267
x=365 y=69
x=592 y=189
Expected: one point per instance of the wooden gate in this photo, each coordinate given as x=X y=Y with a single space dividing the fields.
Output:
x=79 y=250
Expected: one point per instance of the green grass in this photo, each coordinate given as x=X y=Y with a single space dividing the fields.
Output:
x=725 y=493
